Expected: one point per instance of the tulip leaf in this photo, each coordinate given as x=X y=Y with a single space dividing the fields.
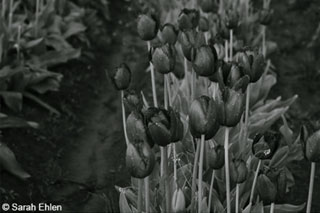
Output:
x=123 y=204
x=285 y=208
x=12 y=99
x=286 y=132
x=279 y=159
x=14 y=122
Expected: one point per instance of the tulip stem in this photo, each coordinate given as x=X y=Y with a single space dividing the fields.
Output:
x=124 y=118
x=147 y=194
x=153 y=83
x=237 y=197
x=272 y=207
x=200 y=172
x=254 y=184
x=246 y=121
x=166 y=178
x=226 y=160
x=206 y=36
x=193 y=84
x=194 y=177
x=140 y=181
x=226 y=58
x=313 y=169
x=264 y=49
x=211 y=188
x=231 y=44
x=37 y=17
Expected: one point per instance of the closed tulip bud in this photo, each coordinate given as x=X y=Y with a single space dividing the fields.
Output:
x=203 y=117
x=147 y=27
x=163 y=126
x=312 y=147
x=140 y=160
x=216 y=157
x=265 y=145
x=266 y=189
x=203 y=24
x=188 y=19
x=208 y=6
x=164 y=58
x=252 y=64
x=133 y=100
x=136 y=129
x=265 y=16
x=232 y=19
x=205 y=62
x=178 y=201
x=168 y=34
x=238 y=171
x=190 y=40
x=121 y=77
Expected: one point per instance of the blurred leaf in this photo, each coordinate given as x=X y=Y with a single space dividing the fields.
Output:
x=279 y=159
x=6 y=72
x=9 y=162
x=13 y=100
x=41 y=103
x=73 y=29
x=285 y=208
x=14 y=122
x=123 y=204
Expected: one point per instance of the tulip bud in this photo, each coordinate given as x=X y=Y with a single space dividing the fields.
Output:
x=168 y=34
x=208 y=6
x=121 y=77
x=232 y=19
x=136 y=129
x=203 y=24
x=190 y=40
x=238 y=170
x=266 y=189
x=163 y=126
x=133 y=100
x=252 y=64
x=140 y=159
x=178 y=201
x=147 y=27
x=164 y=59
x=312 y=147
x=205 y=61
x=265 y=145
x=265 y=16
x=203 y=117
x=188 y=19
x=216 y=157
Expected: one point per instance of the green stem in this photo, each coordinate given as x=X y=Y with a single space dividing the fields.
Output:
x=226 y=164
x=246 y=121
x=37 y=17
x=3 y=12
x=264 y=49
x=226 y=58
x=231 y=44
x=194 y=177
x=140 y=181
x=166 y=180
x=254 y=185
x=200 y=172
x=153 y=83
x=147 y=194
x=10 y=14
x=211 y=189
x=237 y=197
x=313 y=169
x=124 y=118
x=272 y=207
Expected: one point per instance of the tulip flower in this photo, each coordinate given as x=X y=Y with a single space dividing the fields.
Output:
x=232 y=19
x=133 y=100
x=164 y=59
x=121 y=77
x=252 y=63
x=140 y=159
x=266 y=189
x=238 y=171
x=203 y=118
x=147 y=27
x=178 y=201
x=265 y=145
x=265 y=16
x=205 y=62
x=216 y=157
x=231 y=101
x=203 y=24
x=168 y=34
x=190 y=40
x=163 y=126
x=188 y=19
x=208 y=6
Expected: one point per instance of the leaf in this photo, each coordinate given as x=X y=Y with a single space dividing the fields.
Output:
x=279 y=159
x=13 y=100
x=285 y=208
x=9 y=162
x=123 y=204
x=14 y=122
x=6 y=72
x=258 y=208
x=73 y=29
x=41 y=103
x=32 y=43
x=286 y=132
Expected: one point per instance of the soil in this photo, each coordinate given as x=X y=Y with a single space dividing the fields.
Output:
x=77 y=159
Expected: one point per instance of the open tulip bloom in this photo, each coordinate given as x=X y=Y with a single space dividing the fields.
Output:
x=209 y=147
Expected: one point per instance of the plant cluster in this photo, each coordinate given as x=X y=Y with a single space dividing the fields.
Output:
x=209 y=147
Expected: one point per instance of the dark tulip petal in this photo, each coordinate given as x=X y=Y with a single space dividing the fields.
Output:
x=147 y=27
x=313 y=147
x=168 y=34
x=216 y=157
x=234 y=107
x=159 y=134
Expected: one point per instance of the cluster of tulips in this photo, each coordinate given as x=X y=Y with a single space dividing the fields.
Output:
x=194 y=153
